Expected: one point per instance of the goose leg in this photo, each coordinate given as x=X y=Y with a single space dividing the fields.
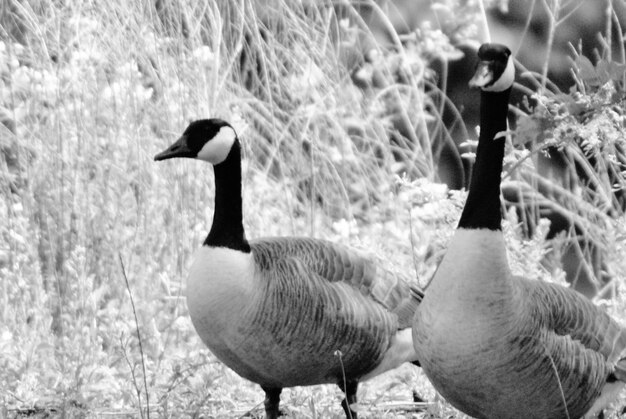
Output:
x=350 y=391
x=272 y=400
x=416 y=397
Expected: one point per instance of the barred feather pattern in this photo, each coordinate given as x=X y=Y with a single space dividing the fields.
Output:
x=310 y=302
x=395 y=292
x=568 y=345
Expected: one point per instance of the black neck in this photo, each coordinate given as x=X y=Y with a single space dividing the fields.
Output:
x=227 y=229
x=482 y=208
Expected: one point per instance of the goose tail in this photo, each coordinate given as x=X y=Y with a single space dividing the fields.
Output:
x=620 y=370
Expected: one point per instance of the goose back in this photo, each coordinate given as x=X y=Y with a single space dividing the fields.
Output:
x=336 y=263
x=570 y=345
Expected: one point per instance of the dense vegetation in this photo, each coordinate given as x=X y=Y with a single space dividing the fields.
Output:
x=342 y=136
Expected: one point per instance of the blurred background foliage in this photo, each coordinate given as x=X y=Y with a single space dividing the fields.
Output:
x=357 y=125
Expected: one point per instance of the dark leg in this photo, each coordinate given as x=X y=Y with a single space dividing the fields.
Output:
x=417 y=398
x=272 y=400
x=350 y=390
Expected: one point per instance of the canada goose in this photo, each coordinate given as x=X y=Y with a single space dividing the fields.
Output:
x=499 y=346
x=288 y=311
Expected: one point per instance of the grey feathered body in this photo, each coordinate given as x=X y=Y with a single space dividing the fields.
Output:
x=509 y=347
x=280 y=315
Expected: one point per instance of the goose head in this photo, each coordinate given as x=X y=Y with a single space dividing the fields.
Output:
x=495 y=71
x=206 y=139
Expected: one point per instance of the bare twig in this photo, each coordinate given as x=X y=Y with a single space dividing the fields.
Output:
x=339 y=355
x=132 y=372
x=412 y=245
x=553 y=14
x=143 y=363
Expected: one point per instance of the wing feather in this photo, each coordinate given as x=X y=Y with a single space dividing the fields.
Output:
x=567 y=344
x=583 y=345
x=568 y=313
x=338 y=264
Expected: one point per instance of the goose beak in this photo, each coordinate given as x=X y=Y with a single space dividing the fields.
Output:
x=483 y=75
x=179 y=149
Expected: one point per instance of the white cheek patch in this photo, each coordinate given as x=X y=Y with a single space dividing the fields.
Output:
x=506 y=79
x=216 y=150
